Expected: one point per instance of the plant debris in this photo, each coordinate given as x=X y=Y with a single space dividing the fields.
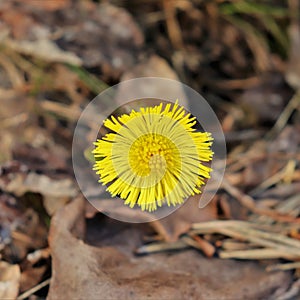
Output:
x=242 y=56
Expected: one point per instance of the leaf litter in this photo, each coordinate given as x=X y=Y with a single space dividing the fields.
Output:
x=57 y=55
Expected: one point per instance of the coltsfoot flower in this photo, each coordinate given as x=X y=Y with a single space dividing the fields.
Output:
x=153 y=156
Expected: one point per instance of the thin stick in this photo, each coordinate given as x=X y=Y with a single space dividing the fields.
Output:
x=284 y=267
x=173 y=27
x=266 y=253
x=268 y=182
x=34 y=289
x=198 y=243
x=158 y=247
x=233 y=245
x=290 y=206
x=241 y=231
x=284 y=117
x=271 y=236
x=212 y=225
x=219 y=224
x=62 y=110
x=248 y=202
x=261 y=241
x=21 y=237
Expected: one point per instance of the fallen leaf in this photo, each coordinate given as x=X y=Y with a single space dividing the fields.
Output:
x=180 y=220
x=44 y=49
x=103 y=36
x=43 y=160
x=9 y=280
x=153 y=66
x=36 y=183
x=31 y=276
x=84 y=271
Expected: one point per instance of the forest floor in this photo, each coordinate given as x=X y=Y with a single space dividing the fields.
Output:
x=242 y=57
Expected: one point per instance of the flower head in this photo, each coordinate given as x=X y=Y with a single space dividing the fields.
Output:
x=153 y=156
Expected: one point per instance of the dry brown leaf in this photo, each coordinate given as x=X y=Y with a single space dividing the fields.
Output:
x=154 y=66
x=44 y=49
x=31 y=276
x=9 y=280
x=55 y=192
x=82 y=271
x=181 y=220
x=20 y=183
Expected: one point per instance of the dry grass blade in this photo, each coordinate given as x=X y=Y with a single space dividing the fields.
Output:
x=281 y=245
x=269 y=182
x=200 y=244
x=256 y=40
x=285 y=115
x=233 y=245
x=68 y=112
x=276 y=245
x=266 y=253
x=15 y=77
x=284 y=267
x=173 y=27
x=281 y=239
x=34 y=289
x=262 y=241
x=248 y=202
x=290 y=206
x=159 y=247
x=16 y=120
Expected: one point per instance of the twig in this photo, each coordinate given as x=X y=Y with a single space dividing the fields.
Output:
x=210 y=226
x=244 y=231
x=282 y=239
x=68 y=112
x=292 y=292
x=199 y=243
x=21 y=237
x=158 y=247
x=256 y=239
x=37 y=255
x=284 y=117
x=233 y=245
x=266 y=253
x=284 y=267
x=34 y=289
x=13 y=73
x=248 y=202
x=173 y=27
x=243 y=160
x=290 y=206
x=233 y=84
x=16 y=120
x=268 y=182
x=281 y=175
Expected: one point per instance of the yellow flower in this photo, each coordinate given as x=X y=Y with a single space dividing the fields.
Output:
x=153 y=156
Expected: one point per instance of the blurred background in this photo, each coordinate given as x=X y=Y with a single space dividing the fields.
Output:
x=242 y=56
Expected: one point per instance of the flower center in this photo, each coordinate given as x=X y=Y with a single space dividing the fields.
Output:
x=152 y=153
